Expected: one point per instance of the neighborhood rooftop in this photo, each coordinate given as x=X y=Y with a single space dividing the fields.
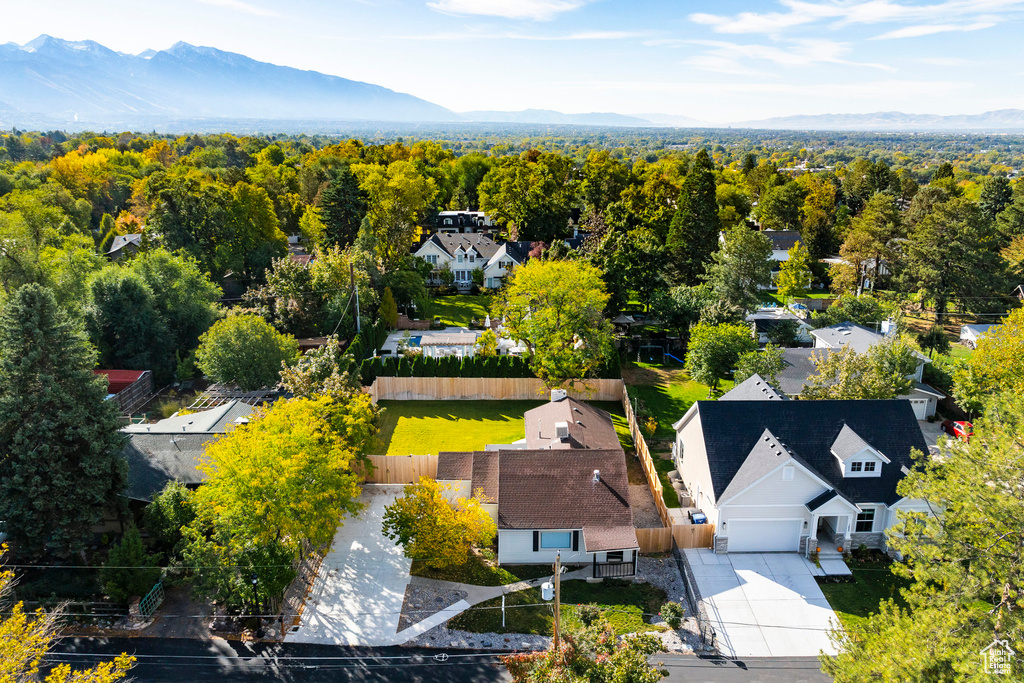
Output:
x=584 y=425
x=753 y=388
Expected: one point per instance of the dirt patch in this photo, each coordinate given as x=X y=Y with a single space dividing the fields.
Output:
x=641 y=503
x=181 y=617
x=650 y=376
x=423 y=601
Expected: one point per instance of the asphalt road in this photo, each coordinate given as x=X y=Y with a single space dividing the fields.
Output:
x=200 y=660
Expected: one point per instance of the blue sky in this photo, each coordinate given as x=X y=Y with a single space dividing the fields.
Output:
x=719 y=62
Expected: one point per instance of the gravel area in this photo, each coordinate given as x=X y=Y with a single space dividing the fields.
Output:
x=664 y=573
x=645 y=514
x=422 y=601
x=442 y=636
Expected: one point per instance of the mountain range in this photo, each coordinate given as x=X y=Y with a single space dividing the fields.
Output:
x=53 y=83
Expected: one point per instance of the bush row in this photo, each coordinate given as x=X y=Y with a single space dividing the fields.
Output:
x=368 y=342
x=473 y=366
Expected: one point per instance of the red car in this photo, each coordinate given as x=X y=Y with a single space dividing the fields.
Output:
x=960 y=430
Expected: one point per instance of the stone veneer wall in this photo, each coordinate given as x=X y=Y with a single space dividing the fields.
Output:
x=870 y=539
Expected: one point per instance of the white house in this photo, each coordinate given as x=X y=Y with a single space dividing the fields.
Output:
x=923 y=397
x=970 y=335
x=790 y=476
x=465 y=252
x=766 y=319
x=782 y=241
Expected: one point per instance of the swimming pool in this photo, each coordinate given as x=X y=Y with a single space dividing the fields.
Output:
x=415 y=341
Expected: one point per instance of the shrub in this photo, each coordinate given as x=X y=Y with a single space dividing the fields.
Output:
x=163 y=519
x=650 y=427
x=588 y=614
x=672 y=613
x=129 y=570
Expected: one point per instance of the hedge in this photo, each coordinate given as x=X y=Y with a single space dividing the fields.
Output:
x=472 y=366
x=368 y=342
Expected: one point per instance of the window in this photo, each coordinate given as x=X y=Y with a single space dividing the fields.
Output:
x=787 y=473
x=870 y=466
x=458 y=258
x=866 y=521
x=447 y=221
x=431 y=259
x=556 y=539
x=614 y=556
x=462 y=276
x=472 y=258
x=856 y=466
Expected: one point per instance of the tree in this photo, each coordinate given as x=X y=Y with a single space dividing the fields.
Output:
x=171 y=510
x=783 y=333
x=871 y=240
x=275 y=487
x=779 y=207
x=183 y=295
x=883 y=372
x=767 y=363
x=326 y=370
x=25 y=639
x=693 y=233
x=389 y=309
x=555 y=308
x=962 y=558
x=741 y=267
x=795 y=273
x=58 y=434
x=124 y=323
x=435 y=530
x=342 y=208
x=996 y=195
x=951 y=256
x=487 y=344
x=996 y=365
x=934 y=340
x=679 y=308
x=733 y=205
x=818 y=213
x=245 y=350
x=714 y=351
x=397 y=194
x=863 y=310
x=256 y=237
x=590 y=653
x=129 y=571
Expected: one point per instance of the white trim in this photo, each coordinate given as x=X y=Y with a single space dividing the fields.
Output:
x=685 y=418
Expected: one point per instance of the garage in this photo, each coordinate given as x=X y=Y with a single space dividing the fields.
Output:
x=764 y=535
x=920 y=406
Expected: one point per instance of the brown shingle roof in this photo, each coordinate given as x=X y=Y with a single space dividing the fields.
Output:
x=454 y=466
x=589 y=427
x=544 y=489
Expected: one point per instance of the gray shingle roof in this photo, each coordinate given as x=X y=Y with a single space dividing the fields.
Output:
x=848 y=335
x=819 y=500
x=782 y=239
x=732 y=430
x=767 y=454
x=799 y=367
x=451 y=241
x=589 y=427
x=848 y=444
x=753 y=388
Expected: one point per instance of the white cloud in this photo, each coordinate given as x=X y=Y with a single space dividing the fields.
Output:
x=538 y=10
x=241 y=7
x=801 y=12
x=919 y=30
x=726 y=57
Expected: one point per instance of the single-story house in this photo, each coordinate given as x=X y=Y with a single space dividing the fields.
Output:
x=573 y=502
x=131 y=389
x=970 y=335
x=800 y=366
x=562 y=489
x=782 y=241
x=763 y=320
x=124 y=245
x=786 y=476
x=172 y=449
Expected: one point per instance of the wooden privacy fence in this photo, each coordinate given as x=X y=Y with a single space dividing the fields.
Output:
x=659 y=540
x=401 y=469
x=485 y=389
x=644 y=454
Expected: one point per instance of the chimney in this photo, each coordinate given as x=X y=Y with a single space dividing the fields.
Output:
x=559 y=395
x=562 y=430
x=597 y=476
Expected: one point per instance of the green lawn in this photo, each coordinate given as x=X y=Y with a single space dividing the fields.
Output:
x=429 y=427
x=457 y=310
x=668 y=494
x=481 y=572
x=627 y=604
x=768 y=297
x=667 y=402
x=873 y=582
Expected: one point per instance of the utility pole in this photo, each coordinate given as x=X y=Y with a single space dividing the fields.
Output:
x=558 y=601
x=352 y=273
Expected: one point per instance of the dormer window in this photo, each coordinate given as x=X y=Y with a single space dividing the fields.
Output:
x=856 y=466
x=870 y=466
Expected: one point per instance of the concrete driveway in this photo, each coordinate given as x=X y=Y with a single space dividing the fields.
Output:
x=359 y=590
x=763 y=604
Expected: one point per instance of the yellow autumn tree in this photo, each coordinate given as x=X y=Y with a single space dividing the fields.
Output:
x=436 y=527
x=25 y=638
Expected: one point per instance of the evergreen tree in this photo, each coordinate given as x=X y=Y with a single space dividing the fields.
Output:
x=342 y=207
x=741 y=266
x=124 y=323
x=996 y=195
x=62 y=462
x=693 y=234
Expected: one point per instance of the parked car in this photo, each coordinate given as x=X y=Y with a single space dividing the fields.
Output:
x=959 y=430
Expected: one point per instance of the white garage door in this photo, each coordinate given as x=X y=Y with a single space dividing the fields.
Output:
x=920 y=406
x=760 y=535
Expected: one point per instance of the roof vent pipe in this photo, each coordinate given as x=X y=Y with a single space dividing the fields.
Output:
x=597 y=476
